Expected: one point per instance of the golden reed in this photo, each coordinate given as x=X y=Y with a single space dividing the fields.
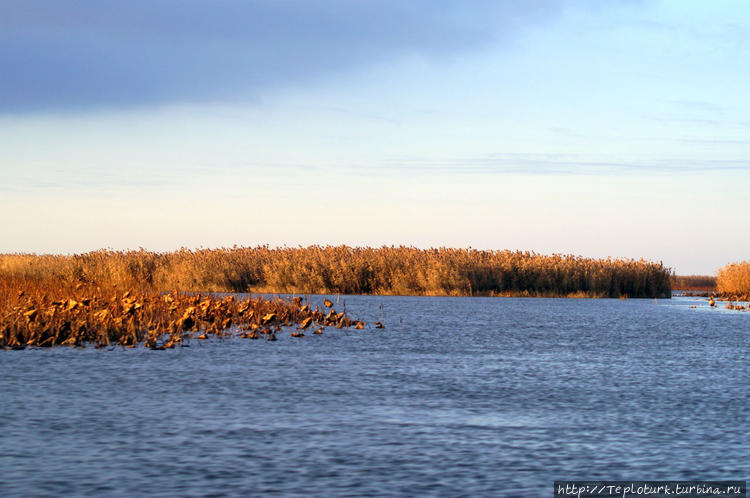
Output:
x=160 y=300
x=733 y=281
x=350 y=270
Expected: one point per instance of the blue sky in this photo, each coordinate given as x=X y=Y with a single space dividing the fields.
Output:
x=601 y=129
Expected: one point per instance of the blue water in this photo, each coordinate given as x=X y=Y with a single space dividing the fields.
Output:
x=457 y=397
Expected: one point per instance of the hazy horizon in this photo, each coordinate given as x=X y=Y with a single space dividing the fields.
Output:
x=571 y=127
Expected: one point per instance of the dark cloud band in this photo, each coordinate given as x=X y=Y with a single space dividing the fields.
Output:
x=64 y=55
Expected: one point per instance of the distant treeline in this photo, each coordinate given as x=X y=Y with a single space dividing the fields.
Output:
x=694 y=282
x=734 y=281
x=351 y=270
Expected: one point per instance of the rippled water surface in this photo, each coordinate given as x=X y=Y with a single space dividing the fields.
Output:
x=457 y=397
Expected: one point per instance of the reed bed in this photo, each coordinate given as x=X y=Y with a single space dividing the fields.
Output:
x=733 y=281
x=350 y=270
x=704 y=283
x=47 y=313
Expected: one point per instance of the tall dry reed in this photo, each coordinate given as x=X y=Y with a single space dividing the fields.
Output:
x=733 y=281
x=350 y=270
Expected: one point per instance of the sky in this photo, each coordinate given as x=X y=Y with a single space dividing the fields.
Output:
x=592 y=128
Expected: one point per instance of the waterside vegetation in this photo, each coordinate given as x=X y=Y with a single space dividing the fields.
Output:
x=701 y=283
x=733 y=281
x=48 y=313
x=349 y=270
